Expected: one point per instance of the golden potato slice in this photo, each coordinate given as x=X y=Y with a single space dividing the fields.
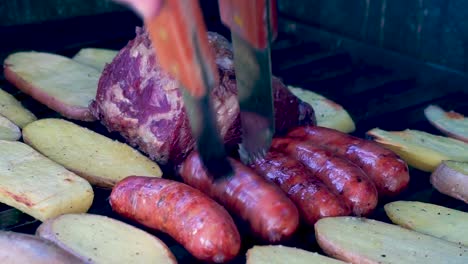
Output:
x=438 y=221
x=279 y=254
x=14 y=111
x=451 y=178
x=360 y=240
x=100 y=239
x=8 y=130
x=99 y=159
x=38 y=186
x=450 y=123
x=421 y=150
x=17 y=248
x=328 y=113
x=94 y=57
x=58 y=82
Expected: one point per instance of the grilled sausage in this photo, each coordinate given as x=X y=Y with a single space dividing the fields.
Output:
x=197 y=222
x=388 y=171
x=340 y=175
x=313 y=199
x=270 y=213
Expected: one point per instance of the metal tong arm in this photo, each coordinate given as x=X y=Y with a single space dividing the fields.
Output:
x=253 y=26
x=247 y=18
x=177 y=31
x=178 y=34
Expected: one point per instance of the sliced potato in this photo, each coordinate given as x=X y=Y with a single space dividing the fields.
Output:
x=451 y=178
x=38 y=186
x=421 y=150
x=450 y=123
x=438 y=221
x=8 y=130
x=328 y=113
x=61 y=83
x=100 y=239
x=17 y=248
x=100 y=160
x=94 y=57
x=281 y=254
x=359 y=240
x=14 y=111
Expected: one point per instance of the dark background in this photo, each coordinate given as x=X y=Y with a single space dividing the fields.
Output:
x=435 y=31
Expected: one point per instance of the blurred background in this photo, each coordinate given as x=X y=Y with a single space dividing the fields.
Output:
x=432 y=30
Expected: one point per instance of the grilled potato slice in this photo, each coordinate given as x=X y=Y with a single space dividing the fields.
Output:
x=94 y=57
x=99 y=159
x=38 y=186
x=438 y=221
x=450 y=123
x=421 y=150
x=280 y=254
x=58 y=82
x=328 y=113
x=17 y=248
x=451 y=178
x=100 y=239
x=360 y=240
x=8 y=130
x=14 y=111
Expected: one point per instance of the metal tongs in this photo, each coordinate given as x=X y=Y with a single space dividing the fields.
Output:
x=178 y=34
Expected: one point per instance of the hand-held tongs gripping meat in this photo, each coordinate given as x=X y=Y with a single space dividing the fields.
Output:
x=179 y=37
x=253 y=27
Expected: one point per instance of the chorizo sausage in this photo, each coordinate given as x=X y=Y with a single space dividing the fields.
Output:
x=270 y=213
x=197 y=222
x=385 y=168
x=345 y=178
x=313 y=199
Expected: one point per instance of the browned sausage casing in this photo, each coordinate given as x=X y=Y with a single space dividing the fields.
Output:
x=388 y=171
x=313 y=199
x=270 y=213
x=342 y=176
x=197 y=222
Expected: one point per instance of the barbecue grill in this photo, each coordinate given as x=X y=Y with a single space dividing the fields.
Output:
x=378 y=87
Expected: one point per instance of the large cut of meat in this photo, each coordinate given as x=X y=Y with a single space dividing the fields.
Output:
x=144 y=104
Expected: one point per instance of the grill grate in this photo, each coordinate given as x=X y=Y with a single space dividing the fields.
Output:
x=378 y=88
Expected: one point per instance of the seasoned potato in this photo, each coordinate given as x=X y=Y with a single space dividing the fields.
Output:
x=360 y=240
x=14 y=111
x=38 y=186
x=450 y=123
x=100 y=160
x=451 y=178
x=58 y=82
x=328 y=113
x=17 y=248
x=430 y=219
x=94 y=57
x=100 y=239
x=281 y=254
x=8 y=130
x=421 y=150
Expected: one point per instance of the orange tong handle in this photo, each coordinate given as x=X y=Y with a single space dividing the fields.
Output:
x=173 y=32
x=247 y=19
